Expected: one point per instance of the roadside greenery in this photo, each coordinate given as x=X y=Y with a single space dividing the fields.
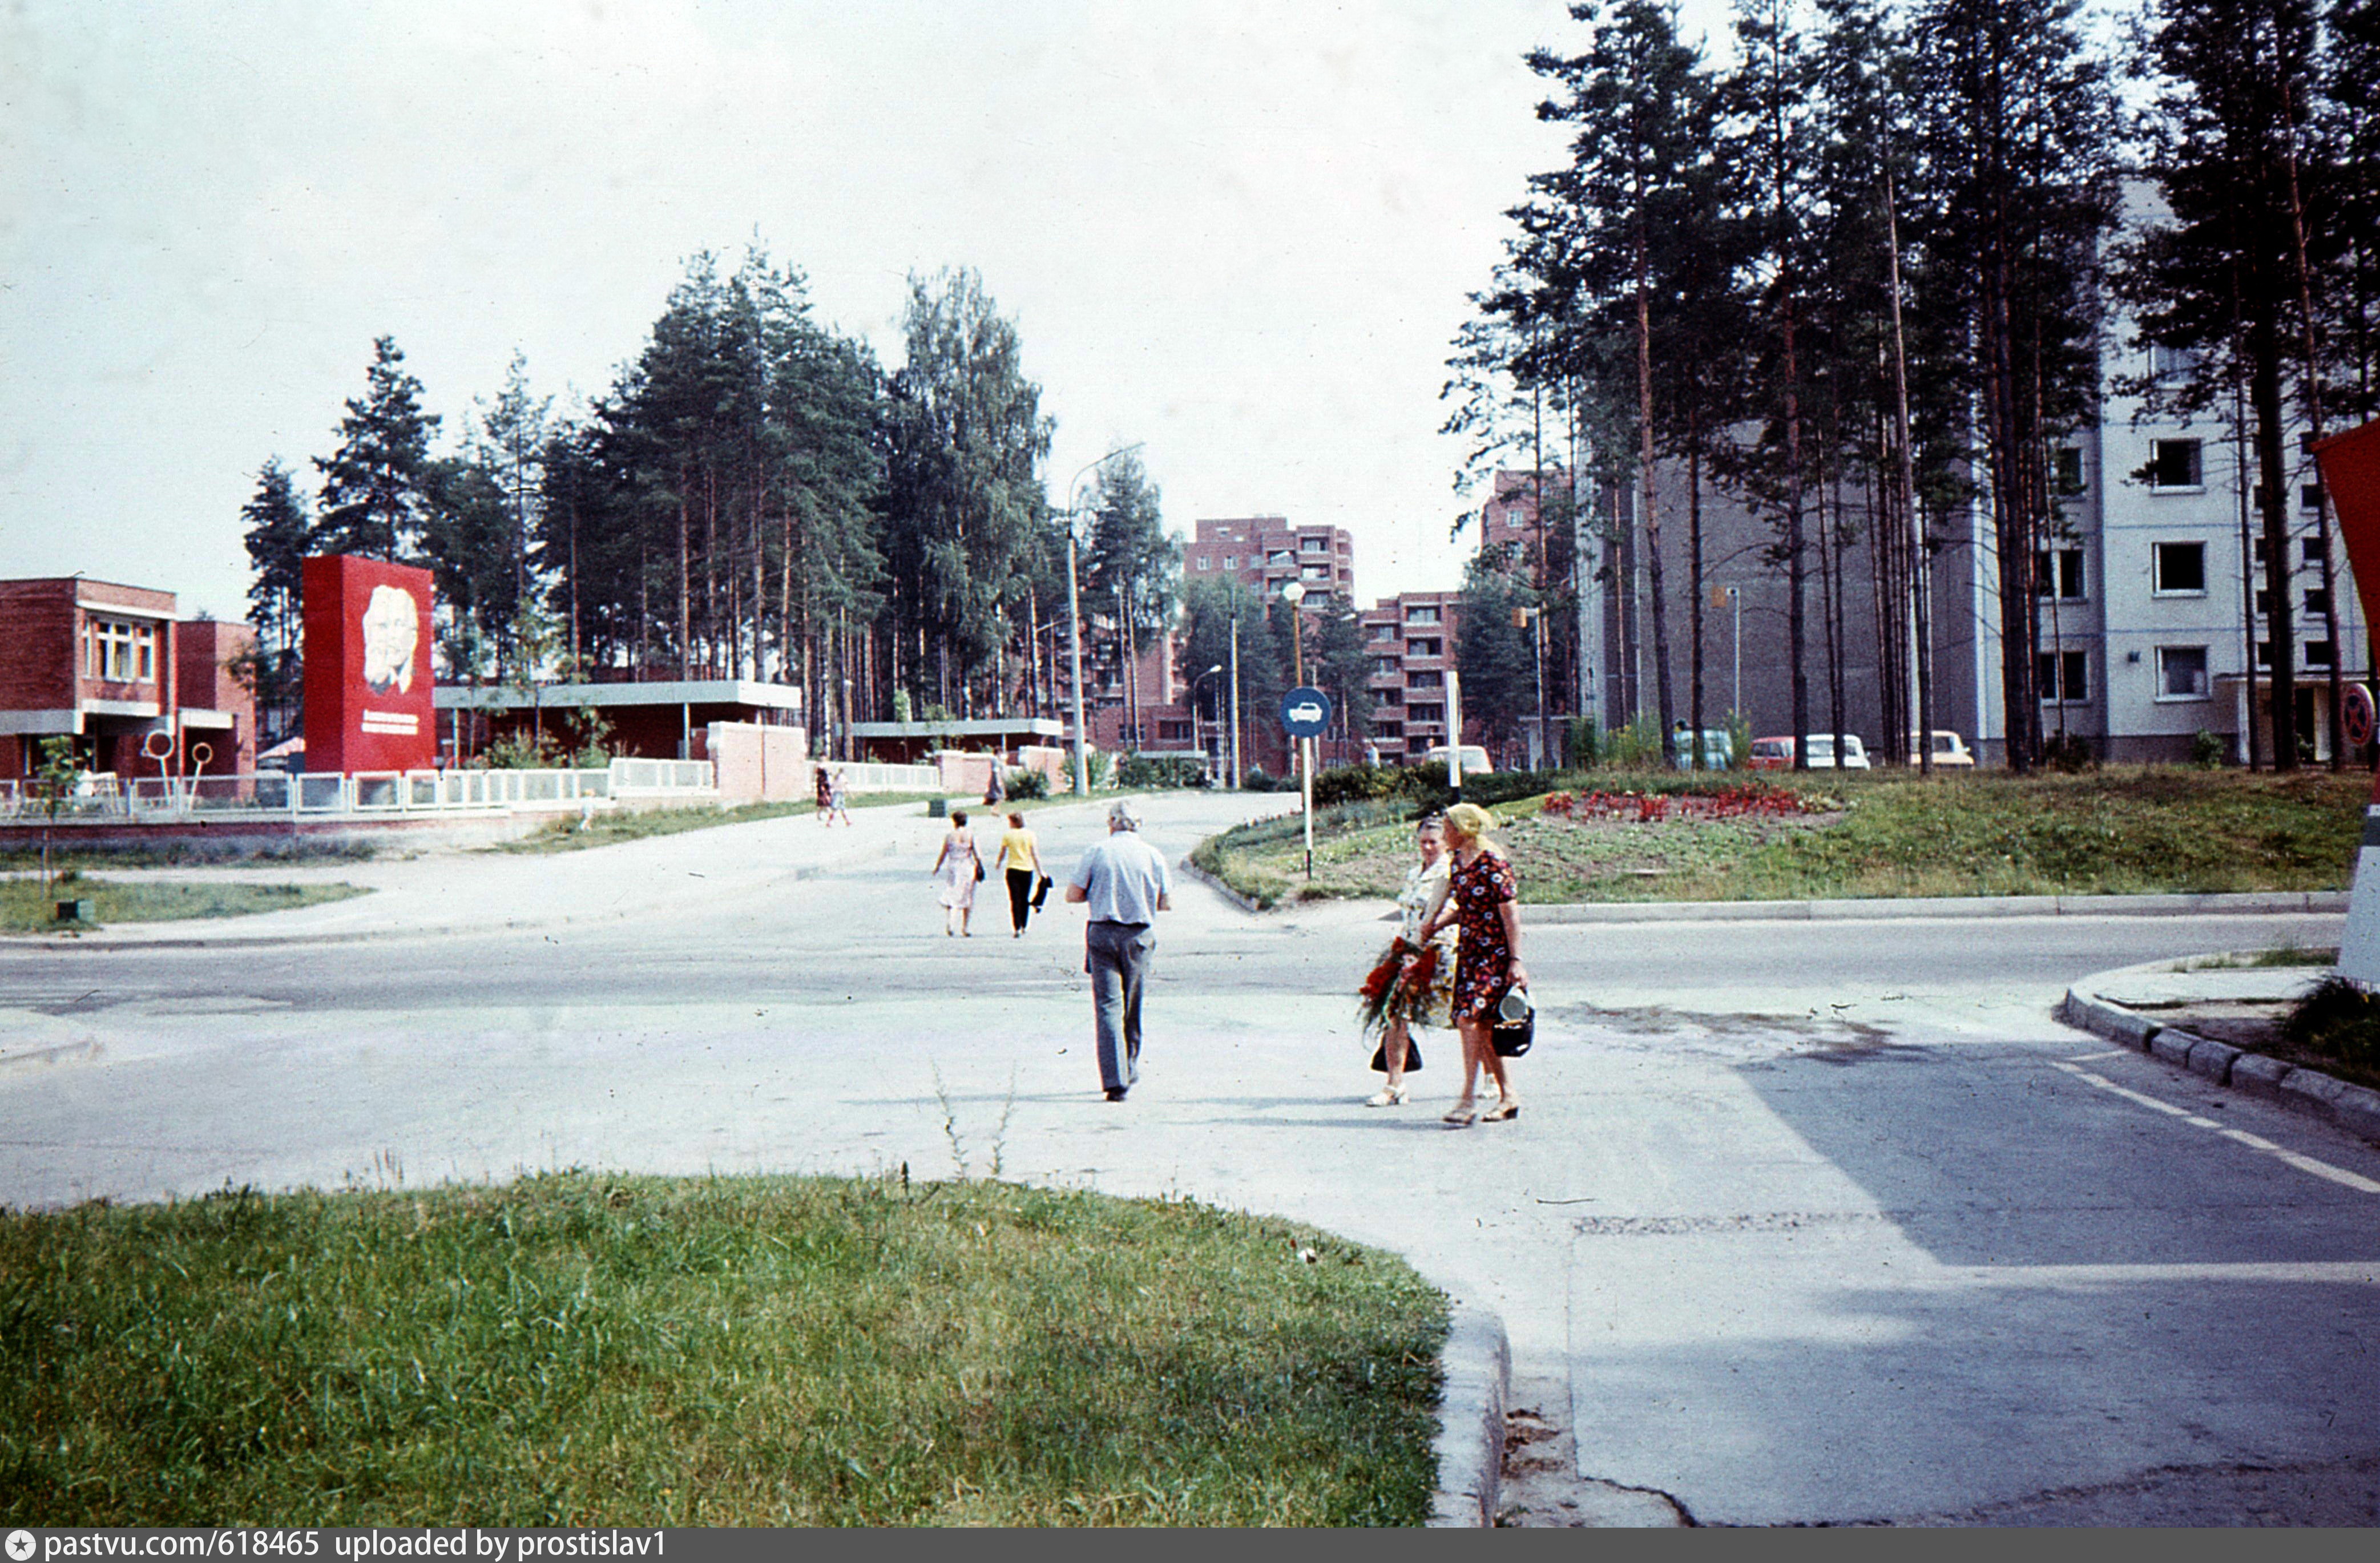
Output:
x=2114 y=831
x=29 y=906
x=576 y=1350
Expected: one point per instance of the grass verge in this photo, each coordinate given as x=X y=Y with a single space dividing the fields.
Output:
x=196 y=854
x=2129 y=831
x=569 y=833
x=574 y=1350
x=27 y=906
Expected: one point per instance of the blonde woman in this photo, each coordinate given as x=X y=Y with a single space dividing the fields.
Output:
x=1020 y=855
x=958 y=867
x=1424 y=892
x=1482 y=902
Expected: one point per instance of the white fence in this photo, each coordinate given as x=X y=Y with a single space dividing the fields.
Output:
x=867 y=776
x=365 y=794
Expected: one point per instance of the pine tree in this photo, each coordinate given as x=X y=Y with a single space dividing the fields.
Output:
x=2216 y=277
x=373 y=489
x=280 y=535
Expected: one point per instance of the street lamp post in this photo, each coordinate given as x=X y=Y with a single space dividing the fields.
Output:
x=1194 y=695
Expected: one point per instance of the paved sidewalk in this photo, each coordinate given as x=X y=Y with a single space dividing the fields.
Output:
x=474 y=891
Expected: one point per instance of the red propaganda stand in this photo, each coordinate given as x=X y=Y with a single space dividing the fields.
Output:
x=2350 y=477
x=368 y=685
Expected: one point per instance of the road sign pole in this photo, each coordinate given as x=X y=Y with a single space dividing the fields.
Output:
x=1305 y=746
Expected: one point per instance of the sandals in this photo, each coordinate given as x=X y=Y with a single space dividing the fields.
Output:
x=1502 y=1111
x=1462 y=1115
x=1387 y=1095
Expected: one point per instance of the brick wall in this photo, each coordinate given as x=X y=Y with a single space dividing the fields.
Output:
x=758 y=764
x=36 y=653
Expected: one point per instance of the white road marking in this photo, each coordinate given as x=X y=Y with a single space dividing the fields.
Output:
x=2353 y=1272
x=2339 y=1175
x=2094 y=1057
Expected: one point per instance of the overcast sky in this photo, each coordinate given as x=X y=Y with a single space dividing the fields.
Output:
x=1240 y=232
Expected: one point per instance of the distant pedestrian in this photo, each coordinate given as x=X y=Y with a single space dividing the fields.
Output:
x=825 y=784
x=1482 y=901
x=838 y=800
x=1124 y=883
x=959 y=869
x=995 y=792
x=1020 y=857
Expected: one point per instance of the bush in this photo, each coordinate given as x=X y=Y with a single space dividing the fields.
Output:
x=1025 y=785
x=2340 y=1019
x=2209 y=750
x=2069 y=752
x=1347 y=784
x=1585 y=741
x=1161 y=770
x=1636 y=746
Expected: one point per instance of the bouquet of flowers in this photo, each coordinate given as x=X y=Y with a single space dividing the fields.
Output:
x=1398 y=986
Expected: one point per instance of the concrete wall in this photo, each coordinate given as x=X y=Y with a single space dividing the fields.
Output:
x=758 y=764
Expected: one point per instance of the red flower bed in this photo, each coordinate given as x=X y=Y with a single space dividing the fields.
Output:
x=1744 y=798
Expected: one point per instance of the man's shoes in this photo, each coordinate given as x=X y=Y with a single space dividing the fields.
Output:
x=1115 y=1093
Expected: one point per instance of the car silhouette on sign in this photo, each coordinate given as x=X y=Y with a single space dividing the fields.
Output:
x=1305 y=710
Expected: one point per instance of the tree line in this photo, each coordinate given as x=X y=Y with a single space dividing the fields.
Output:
x=754 y=496
x=1862 y=276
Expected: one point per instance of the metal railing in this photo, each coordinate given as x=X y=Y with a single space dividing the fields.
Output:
x=366 y=794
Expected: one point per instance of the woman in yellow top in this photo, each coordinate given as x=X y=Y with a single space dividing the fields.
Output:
x=1020 y=853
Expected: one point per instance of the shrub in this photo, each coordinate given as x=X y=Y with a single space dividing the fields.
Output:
x=1585 y=742
x=2069 y=752
x=1161 y=770
x=1347 y=784
x=2340 y=1019
x=1028 y=785
x=2209 y=750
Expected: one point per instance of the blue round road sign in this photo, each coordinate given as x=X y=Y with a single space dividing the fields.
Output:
x=1304 y=712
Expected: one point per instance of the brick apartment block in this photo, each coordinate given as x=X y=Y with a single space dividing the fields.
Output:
x=108 y=665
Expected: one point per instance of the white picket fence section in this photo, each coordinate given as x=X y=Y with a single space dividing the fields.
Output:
x=365 y=794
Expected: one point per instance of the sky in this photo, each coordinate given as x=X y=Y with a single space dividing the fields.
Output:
x=1241 y=233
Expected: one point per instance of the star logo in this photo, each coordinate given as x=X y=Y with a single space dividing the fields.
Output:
x=21 y=1546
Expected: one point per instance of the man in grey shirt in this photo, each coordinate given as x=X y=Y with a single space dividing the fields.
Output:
x=1125 y=884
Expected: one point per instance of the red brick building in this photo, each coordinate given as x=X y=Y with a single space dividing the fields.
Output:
x=1411 y=640
x=111 y=665
x=1265 y=553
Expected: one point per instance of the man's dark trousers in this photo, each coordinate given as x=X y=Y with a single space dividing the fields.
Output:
x=1116 y=955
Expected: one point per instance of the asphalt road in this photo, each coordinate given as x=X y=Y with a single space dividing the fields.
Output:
x=1808 y=1221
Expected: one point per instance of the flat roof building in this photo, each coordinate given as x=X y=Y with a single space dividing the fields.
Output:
x=112 y=667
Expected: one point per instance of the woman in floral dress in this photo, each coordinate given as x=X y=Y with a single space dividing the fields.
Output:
x=1482 y=902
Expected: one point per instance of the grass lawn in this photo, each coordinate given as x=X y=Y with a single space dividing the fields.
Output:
x=576 y=1350
x=566 y=834
x=2120 y=830
x=27 y=906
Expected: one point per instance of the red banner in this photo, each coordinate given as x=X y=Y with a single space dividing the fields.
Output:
x=367 y=681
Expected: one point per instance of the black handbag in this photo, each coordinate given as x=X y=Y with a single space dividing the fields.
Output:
x=1412 y=1057
x=1514 y=1036
x=1040 y=892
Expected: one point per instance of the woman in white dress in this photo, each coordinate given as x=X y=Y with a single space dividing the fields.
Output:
x=958 y=867
x=1430 y=1002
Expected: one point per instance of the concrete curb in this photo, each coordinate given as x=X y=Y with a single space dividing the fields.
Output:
x=1477 y=1360
x=2353 y=1108
x=1873 y=908
x=1191 y=870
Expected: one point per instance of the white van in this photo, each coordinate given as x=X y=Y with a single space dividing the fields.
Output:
x=1474 y=759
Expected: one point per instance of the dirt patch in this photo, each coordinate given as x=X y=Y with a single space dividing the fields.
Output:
x=1543 y=1489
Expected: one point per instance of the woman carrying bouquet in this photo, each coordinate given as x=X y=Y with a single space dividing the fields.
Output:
x=1414 y=983
x=1482 y=899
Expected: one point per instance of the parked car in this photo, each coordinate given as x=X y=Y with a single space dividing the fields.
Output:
x=1949 y=749
x=1474 y=759
x=1719 y=749
x=1777 y=754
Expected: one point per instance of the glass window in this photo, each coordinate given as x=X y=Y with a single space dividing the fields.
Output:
x=2068 y=469
x=1203 y=562
x=2310 y=497
x=2173 y=464
x=2318 y=653
x=2310 y=550
x=2317 y=602
x=2168 y=364
x=2065 y=677
x=1424 y=681
x=2181 y=673
x=2058 y=573
x=2180 y=567
x=1430 y=647
x=1314 y=545
x=121 y=652
x=1231 y=562
x=1421 y=615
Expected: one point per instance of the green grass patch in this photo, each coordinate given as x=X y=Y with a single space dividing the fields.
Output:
x=186 y=853
x=27 y=905
x=570 y=833
x=2129 y=831
x=2337 y=1028
x=573 y=1349
x=2282 y=955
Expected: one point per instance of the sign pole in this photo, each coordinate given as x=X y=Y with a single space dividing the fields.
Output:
x=1306 y=788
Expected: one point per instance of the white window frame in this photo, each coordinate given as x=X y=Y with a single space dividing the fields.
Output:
x=2197 y=464
x=2156 y=570
x=2063 y=655
x=2205 y=691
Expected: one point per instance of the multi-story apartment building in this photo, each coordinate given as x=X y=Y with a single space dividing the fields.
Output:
x=1265 y=553
x=115 y=668
x=1411 y=640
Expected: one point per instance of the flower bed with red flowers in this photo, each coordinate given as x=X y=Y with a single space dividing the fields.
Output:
x=1753 y=799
